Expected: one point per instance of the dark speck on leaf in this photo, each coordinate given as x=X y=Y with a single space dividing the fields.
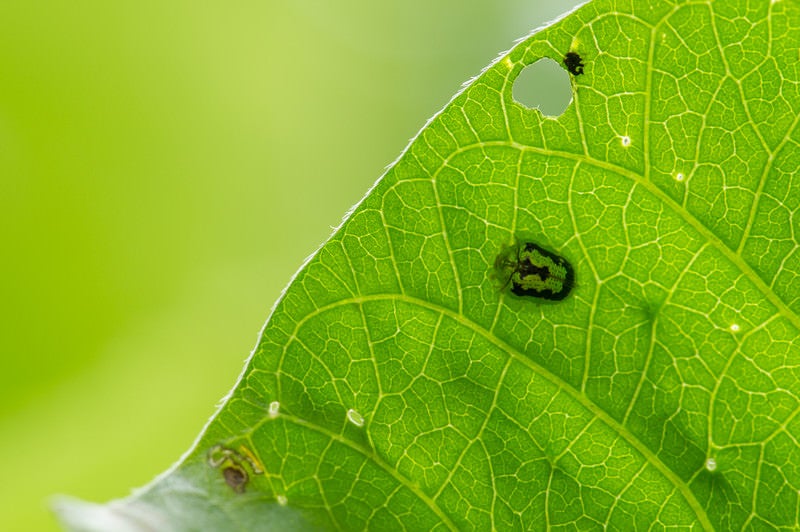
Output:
x=574 y=63
x=236 y=478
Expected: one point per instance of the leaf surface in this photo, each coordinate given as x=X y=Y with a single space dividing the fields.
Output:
x=397 y=384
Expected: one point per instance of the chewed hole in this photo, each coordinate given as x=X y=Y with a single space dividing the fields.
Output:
x=544 y=85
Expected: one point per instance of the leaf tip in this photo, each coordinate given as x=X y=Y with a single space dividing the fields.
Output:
x=77 y=515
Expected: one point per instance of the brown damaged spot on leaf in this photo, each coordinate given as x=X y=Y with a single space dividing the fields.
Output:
x=235 y=477
x=233 y=465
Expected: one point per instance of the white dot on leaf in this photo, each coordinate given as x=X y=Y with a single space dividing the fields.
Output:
x=679 y=177
x=735 y=327
x=626 y=141
x=711 y=464
x=274 y=409
x=282 y=500
x=355 y=418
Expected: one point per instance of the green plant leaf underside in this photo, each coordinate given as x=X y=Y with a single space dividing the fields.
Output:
x=397 y=384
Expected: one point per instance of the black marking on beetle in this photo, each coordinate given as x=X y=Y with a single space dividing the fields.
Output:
x=533 y=271
x=574 y=63
x=236 y=477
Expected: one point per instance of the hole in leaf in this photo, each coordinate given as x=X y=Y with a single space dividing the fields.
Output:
x=544 y=85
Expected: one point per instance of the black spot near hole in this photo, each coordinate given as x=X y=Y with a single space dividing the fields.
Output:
x=574 y=63
x=544 y=85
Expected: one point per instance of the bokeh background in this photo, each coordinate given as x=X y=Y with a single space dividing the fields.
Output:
x=165 y=167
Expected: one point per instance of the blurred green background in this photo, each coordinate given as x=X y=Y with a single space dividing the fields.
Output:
x=165 y=169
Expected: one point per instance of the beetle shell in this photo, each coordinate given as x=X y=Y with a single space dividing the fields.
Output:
x=533 y=271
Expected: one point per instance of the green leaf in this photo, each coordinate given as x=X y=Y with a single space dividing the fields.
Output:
x=397 y=384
